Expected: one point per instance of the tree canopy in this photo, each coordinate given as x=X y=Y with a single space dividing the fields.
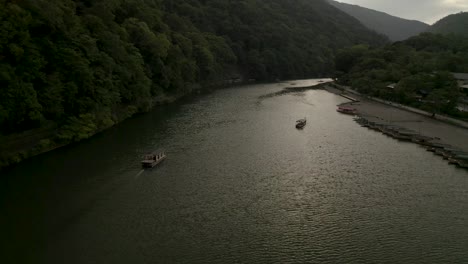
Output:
x=420 y=66
x=85 y=65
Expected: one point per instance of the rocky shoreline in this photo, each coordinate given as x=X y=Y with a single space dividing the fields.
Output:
x=443 y=138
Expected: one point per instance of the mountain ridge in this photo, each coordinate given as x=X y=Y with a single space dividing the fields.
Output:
x=454 y=23
x=395 y=28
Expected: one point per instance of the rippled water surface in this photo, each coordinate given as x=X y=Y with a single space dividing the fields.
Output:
x=240 y=185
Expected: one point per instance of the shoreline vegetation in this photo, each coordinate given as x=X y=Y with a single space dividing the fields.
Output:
x=427 y=72
x=22 y=146
x=72 y=68
x=370 y=110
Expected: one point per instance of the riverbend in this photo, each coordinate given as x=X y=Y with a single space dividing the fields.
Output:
x=240 y=185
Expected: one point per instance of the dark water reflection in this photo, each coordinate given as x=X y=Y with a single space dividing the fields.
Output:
x=240 y=185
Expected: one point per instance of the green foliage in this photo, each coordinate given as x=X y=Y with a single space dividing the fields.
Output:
x=420 y=66
x=85 y=65
x=347 y=58
x=78 y=128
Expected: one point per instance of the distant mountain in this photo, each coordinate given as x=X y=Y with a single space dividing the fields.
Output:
x=456 y=24
x=394 y=28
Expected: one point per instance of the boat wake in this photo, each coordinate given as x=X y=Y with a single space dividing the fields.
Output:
x=139 y=173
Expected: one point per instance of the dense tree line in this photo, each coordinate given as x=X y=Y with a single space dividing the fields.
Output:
x=420 y=66
x=80 y=66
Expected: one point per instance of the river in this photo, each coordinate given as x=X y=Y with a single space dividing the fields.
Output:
x=240 y=185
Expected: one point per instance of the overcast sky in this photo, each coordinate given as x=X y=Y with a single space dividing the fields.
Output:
x=428 y=11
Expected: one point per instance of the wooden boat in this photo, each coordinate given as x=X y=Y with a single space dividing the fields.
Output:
x=463 y=164
x=151 y=160
x=405 y=135
x=461 y=157
x=401 y=137
x=347 y=110
x=430 y=149
x=451 y=153
x=422 y=140
x=433 y=146
x=301 y=123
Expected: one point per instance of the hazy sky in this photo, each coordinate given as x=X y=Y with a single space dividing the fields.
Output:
x=428 y=11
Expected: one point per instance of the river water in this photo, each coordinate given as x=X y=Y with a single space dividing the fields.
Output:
x=240 y=185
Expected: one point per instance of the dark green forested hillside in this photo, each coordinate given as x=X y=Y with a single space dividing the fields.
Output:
x=420 y=66
x=70 y=68
x=455 y=24
x=393 y=27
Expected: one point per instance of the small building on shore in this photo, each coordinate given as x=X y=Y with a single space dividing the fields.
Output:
x=462 y=79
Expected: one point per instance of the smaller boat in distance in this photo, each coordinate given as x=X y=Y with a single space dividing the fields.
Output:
x=301 y=123
x=151 y=160
x=347 y=110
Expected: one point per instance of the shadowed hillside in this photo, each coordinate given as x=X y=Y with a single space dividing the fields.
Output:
x=455 y=24
x=394 y=28
x=71 y=68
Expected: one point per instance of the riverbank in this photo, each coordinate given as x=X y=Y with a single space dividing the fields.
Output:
x=240 y=180
x=23 y=146
x=19 y=147
x=420 y=123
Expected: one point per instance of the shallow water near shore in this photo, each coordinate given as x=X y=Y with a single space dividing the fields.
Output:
x=240 y=185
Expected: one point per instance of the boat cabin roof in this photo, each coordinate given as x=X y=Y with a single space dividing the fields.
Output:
x=346 y=107
x=462 y=157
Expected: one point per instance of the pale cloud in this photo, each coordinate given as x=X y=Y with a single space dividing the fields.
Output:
x=455 y=3
x=428 y=11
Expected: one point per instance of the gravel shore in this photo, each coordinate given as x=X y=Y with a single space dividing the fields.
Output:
x=374 y=111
